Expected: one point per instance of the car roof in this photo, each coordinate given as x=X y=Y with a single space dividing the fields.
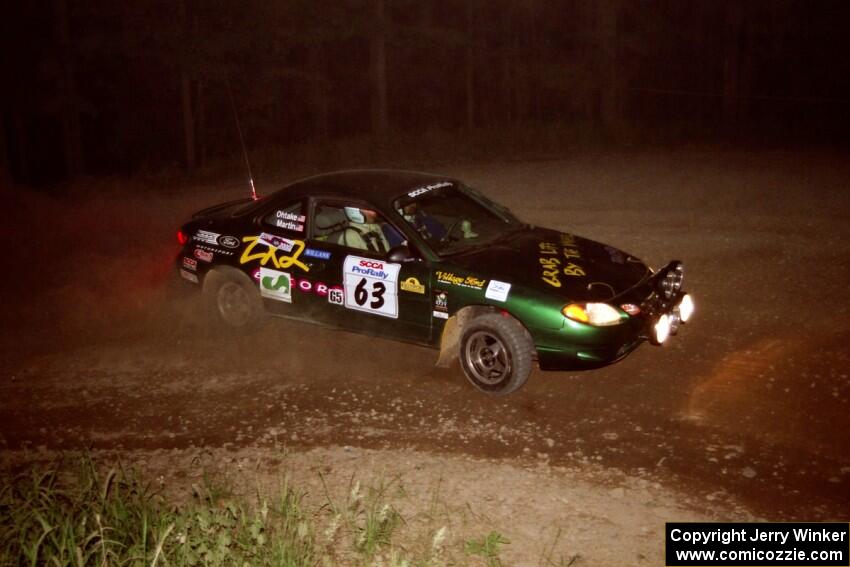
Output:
x=380 y=186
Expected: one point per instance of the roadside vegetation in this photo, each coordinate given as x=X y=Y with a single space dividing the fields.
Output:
x=75 y=512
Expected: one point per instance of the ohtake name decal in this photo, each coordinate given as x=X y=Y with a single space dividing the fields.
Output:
x=277 y=258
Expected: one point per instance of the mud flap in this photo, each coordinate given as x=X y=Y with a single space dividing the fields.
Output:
x=449 y=343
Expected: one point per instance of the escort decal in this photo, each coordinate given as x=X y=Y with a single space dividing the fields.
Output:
x=413 y=285
x=276 y=285
x=371 y=286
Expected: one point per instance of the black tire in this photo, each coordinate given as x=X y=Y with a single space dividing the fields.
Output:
x=233 y=300
x=496 y=353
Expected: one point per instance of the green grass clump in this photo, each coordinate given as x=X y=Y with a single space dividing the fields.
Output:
x=77 y=516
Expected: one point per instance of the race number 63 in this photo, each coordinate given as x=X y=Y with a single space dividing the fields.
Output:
x=371 y=285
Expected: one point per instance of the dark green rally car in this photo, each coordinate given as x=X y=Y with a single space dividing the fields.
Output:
x=426 y=259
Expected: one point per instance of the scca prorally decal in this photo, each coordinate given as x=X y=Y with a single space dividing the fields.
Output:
x=426 y=188
x=413 y=285
x=190 y=264
x=203 y=255
x=229 y=242
x=497 y=290
x=207 y=236
x=320 y=254
x=371 y=285
x=272 y=255
x=276 y=285
x=188 y=276
x=278 y=242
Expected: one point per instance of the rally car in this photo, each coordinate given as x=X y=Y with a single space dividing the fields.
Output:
x=426 y=259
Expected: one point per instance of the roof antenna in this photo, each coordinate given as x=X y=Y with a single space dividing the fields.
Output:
x=242 y=141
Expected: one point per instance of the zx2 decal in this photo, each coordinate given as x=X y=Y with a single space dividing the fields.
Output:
x=277 y=258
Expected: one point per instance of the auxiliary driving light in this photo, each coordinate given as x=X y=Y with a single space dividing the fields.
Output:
x=671 y=282
x=661 y=330
x=686 y=308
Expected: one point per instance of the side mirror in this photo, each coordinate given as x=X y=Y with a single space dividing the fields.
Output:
x=400 y=254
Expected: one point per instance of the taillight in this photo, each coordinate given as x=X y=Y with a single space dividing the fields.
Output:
x=182 y=238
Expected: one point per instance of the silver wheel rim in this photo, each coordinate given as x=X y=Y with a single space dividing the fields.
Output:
x=487 y=358
x=234 y=305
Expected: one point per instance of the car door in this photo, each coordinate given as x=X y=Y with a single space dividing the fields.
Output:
x=273 y=255
x=356 y=287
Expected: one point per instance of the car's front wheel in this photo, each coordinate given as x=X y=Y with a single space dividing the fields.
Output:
x=496 y=353
x=232 y=298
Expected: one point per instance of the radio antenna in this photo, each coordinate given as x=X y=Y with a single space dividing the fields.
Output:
x=241 y=141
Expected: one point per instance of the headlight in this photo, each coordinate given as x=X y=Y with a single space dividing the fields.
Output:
x=661 y=330
x=597 y=314
x=686 y=308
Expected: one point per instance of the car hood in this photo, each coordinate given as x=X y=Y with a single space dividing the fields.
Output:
x=572 y=267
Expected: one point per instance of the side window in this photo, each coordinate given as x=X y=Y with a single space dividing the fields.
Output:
x=290 y=217
x=354 y=227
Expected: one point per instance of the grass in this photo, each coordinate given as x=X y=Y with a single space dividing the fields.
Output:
x=73 y=512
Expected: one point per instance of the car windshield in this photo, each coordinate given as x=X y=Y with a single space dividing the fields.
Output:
x=454 y=219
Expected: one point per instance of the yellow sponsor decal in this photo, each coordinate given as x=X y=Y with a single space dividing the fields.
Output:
x=551 y=265
x=412 y=284
x=463 y=281
x=276 y=257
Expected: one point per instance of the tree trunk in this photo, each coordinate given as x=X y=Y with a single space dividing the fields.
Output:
x=378 y=54
x=470 y=65
x=71 y=130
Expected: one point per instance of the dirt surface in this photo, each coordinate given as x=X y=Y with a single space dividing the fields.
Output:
x=743 y=414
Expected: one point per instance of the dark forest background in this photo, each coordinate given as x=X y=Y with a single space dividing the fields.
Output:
x=104 y=87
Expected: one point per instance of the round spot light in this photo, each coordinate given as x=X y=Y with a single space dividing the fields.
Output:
x=661 y=330
x=686 y=308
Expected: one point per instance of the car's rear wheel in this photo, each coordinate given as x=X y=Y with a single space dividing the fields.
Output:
x=496 y=353
x=233 y=299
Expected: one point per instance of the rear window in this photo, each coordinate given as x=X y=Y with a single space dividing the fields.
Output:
x=289 y=218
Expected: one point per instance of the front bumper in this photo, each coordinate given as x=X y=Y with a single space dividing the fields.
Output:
x=663 y=307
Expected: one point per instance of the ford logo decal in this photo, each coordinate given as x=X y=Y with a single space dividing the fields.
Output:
x=229 y=241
